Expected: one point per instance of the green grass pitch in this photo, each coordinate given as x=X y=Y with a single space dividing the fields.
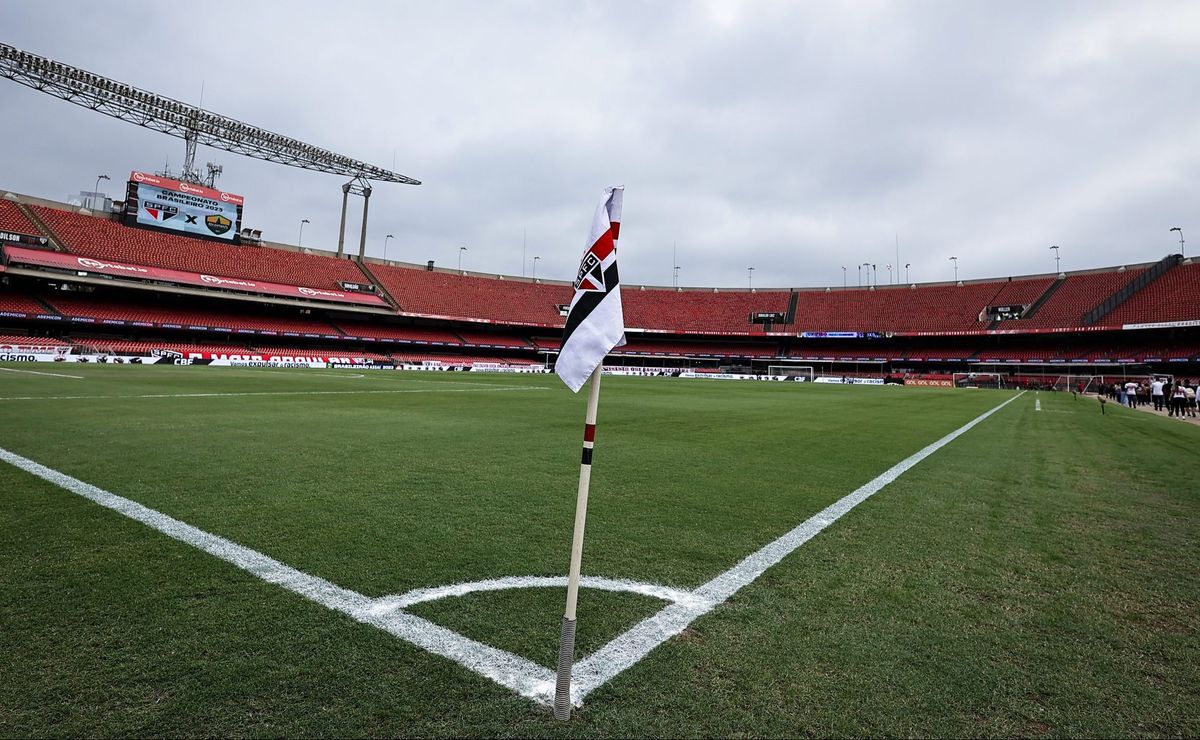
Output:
x=1037 y=575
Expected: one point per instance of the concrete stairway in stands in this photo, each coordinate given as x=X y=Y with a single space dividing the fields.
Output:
x=366 y=271
x=51 y=239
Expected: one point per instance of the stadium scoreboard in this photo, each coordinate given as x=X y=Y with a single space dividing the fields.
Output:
x=182 y=207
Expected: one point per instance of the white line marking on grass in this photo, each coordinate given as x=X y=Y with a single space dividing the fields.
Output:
x=630 y=647
x=283 y=393
x=519 y=674
x=512 y=671
x=35 y=372
x=422 y=595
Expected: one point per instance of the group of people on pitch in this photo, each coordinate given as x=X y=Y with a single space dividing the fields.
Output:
x=1176 y=397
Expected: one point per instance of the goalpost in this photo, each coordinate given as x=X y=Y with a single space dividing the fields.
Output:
x=1071 y=381
x=791 y=371
x=992 y=379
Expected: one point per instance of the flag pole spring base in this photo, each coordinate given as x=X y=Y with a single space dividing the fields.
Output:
x=566 y=657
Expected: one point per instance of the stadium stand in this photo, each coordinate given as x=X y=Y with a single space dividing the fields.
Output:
x=1078 y=294
x=444 y=294
x=1173 y=297
x=99 y=308
x=32 y=341
x=701 y=310
x=399 y=333
x=11 y=219
x=104 y=239
x=19 y=303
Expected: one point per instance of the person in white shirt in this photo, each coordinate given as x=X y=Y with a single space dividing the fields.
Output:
x=1156 y=393
x=1131 y=393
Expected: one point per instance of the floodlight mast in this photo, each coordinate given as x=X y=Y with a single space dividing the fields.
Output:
x=192 y=124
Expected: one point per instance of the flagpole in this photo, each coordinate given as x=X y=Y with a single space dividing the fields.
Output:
x=566 y=644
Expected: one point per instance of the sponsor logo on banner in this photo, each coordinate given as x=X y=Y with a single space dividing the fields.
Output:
x=849 y=381
x=217 y=224
x=98 y=265
x=212 y=279
x=314 y=291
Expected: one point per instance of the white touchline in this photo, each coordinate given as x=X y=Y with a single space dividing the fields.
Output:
x=284 y=393
x=35 y=372
x=512 y=671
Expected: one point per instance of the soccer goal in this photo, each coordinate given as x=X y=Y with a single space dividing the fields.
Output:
x=802 y=372
x=978 y=380
x=1081 y=383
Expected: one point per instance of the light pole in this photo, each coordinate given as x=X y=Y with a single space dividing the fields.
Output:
x=750 y=272
x=1057 y=261
x=535 y=261
x=385 y=241
x=906 y=266
x=843 y=277
x=1176 y=228
x=875 y=272
x=300 y=239
x=675 y=279
x=460 y=251
x=868 y=266
x=92 y=197
x=955 y=261
x=890 y=281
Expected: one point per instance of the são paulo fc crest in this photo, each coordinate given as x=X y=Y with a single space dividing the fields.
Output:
x=591 y=274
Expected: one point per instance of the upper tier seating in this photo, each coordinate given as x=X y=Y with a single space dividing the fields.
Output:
x=697 y=348
x=446 y=294
x=1079 y=293
x=104 y=239
x=69 y=305
x=700 y=310
x=11 y=219
x=1174 y=296
x=946 y=307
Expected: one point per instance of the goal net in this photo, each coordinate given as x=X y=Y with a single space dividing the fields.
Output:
x=978 y=380
x=1081 y=383
x=791 y=371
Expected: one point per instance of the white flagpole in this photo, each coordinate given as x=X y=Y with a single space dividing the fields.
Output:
x=566 y=645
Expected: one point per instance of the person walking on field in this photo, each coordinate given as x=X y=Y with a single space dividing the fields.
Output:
x=1131 y=393
x=1178 y=400
x=1190 y=400
x=1156 y=394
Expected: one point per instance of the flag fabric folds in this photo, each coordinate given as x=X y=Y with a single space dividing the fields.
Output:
x=595 y=321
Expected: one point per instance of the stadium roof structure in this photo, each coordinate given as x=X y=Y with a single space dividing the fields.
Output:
x=188 y=122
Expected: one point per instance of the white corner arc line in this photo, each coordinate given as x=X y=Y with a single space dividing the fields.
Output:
x=512 y=671
x=35 y=372
x=633 y=645
x=421 y=595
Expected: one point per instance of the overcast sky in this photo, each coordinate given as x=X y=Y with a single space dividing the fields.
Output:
x=793 y=137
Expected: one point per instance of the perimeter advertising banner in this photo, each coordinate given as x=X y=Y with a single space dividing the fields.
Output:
x=172 y=205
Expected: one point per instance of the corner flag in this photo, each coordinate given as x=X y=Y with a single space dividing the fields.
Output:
x=595 y=321
x=595 y=324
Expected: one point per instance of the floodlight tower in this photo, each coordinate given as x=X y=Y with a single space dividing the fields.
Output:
x=192 y=124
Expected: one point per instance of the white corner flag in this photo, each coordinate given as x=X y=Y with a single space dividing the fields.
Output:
x=595 y=324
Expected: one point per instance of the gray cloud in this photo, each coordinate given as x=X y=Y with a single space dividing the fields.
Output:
x=792 y=137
